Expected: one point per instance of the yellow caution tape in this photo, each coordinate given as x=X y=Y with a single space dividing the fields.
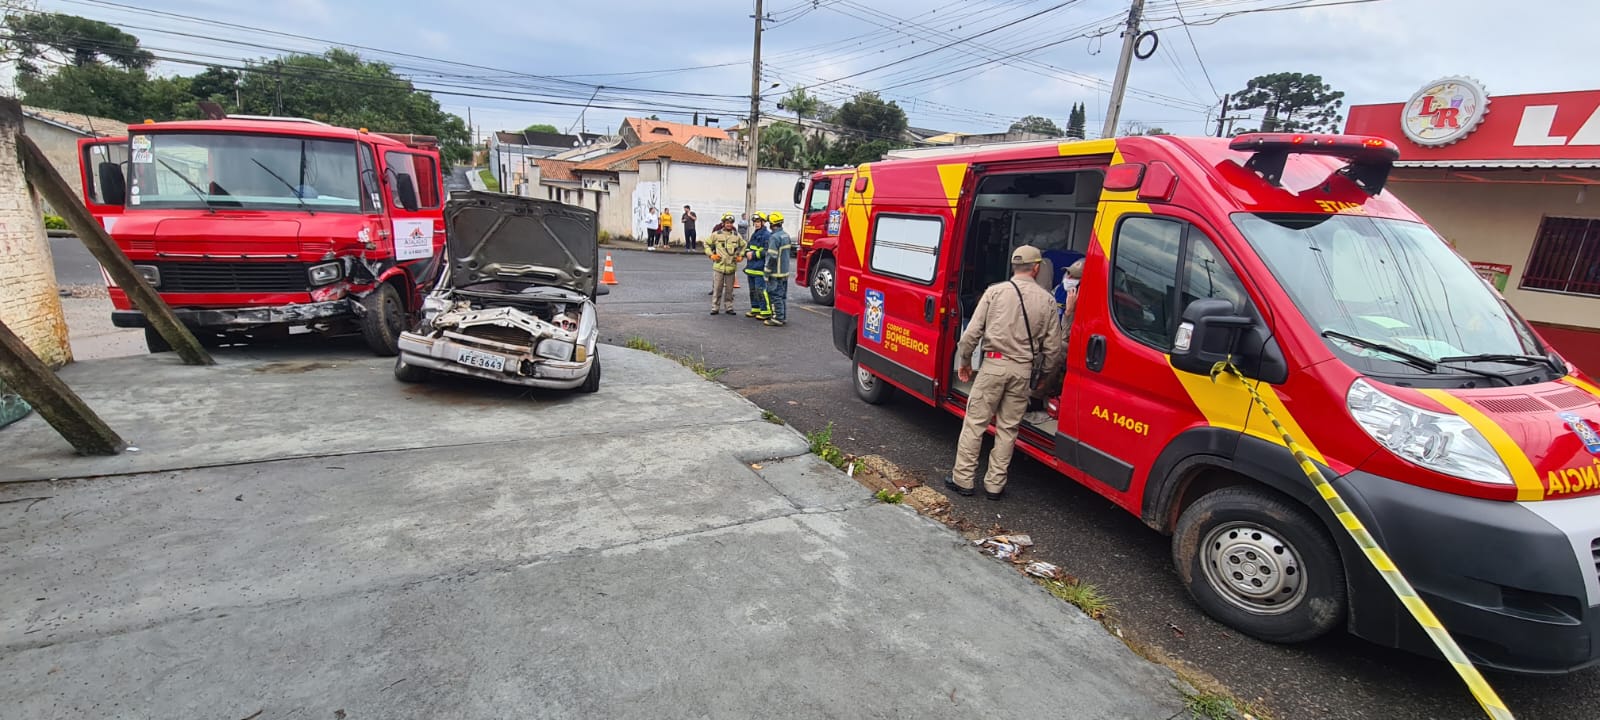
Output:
x=1493 y=706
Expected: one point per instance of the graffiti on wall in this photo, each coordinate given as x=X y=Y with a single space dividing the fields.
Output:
x=646 y=195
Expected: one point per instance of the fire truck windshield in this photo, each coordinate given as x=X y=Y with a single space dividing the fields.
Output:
x=1381 y=291
x=230 y=170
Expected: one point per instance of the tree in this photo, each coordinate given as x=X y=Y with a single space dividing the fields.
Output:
x=1291 y=102
x=541 y=128
x=870 y=117
x=1076 y=122
x=340 y=88
x=1037 y=124
x=1135 y=127
x=781 y=146
x=816 y=151
x=825 y=112
x=34 y=37
x=800 y=103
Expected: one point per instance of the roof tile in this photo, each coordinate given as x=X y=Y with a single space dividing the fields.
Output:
x=628 y=160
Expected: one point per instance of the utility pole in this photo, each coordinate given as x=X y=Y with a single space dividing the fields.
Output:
x=755 y=121
x=1130 y=37
x=1222 y=116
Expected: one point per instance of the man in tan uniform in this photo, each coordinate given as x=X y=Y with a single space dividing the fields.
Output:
x=725 y=248
x=1001 y=390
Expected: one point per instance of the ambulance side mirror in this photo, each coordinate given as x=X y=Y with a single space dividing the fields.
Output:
x=1209 y=334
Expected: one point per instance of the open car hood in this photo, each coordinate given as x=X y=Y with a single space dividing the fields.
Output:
x=518 y=239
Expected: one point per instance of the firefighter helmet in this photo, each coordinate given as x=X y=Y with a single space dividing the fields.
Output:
x=776 y=218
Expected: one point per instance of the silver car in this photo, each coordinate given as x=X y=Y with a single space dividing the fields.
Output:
x=515 y=300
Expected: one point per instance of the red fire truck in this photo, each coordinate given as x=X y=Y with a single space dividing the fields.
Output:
x=1464 y=443
x=820 y=199
x=259 y=225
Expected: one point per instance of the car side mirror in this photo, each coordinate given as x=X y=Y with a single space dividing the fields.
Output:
x=602 y=289
x=113 y=184
x=1209 y=334
x=406 y=189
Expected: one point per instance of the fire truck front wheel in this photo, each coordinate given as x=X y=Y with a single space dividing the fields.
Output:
x=1260 y=563
x=383 y=320
x=822 y=280
x=154 y=341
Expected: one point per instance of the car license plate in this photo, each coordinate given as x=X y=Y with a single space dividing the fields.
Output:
x=478 y=359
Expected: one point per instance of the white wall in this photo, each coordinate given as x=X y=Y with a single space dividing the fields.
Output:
x=713 y=190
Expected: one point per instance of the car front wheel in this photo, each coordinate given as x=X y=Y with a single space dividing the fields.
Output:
x=1260 y=563
x=406 y=372
x=592 y=382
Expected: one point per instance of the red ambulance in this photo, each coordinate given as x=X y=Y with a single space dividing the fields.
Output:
x=1464 y=443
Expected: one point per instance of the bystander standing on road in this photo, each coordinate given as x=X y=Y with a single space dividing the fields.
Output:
x=652 y=228
x=689 y=218
x=666 y=228
x=780 y=262
x=744 y=226
x=1018 y=323
x=724 y=247
x=755 y=267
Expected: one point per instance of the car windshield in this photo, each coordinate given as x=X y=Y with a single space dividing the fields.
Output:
x=1372 y=286
x=231 y=170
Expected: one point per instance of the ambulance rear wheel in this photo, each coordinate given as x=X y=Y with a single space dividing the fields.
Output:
x=821 y=281
x=871 y=388
x=1261 y=564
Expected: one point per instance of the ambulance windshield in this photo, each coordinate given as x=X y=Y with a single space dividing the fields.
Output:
x=1372 y=286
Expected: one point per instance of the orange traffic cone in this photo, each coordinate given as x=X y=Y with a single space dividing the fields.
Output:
x=609 y=276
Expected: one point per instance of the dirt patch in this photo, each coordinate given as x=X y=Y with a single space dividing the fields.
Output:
x=293 y=368
x=83 y=291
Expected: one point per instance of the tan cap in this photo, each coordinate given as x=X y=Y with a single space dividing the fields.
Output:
x=1026 y=255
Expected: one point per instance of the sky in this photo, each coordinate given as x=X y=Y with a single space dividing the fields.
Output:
x=953 y=65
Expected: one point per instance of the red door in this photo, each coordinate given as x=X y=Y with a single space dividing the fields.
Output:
x=905 y=299
x=103 y=171
x=417 y=233
x=1130 y=402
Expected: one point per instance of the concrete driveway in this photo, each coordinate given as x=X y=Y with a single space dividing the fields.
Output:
x=299 y=535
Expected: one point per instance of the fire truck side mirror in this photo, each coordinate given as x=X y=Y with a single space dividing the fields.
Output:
x=405 y=189
x=113 y=184
x=799 y=190
x=1209 y=334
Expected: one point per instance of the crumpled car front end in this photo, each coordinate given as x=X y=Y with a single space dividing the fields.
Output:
x=510 y=339
x=515 y=302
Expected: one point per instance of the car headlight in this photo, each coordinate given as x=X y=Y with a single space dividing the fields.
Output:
x=1437 y=441
x=432 y=305
x=555 y=349
x=151 y=273
x=325 y=273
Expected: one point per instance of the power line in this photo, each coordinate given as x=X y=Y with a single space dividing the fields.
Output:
x=1195 y=48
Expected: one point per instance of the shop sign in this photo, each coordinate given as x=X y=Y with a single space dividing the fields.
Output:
x=1444 y=111
x=1493 y=273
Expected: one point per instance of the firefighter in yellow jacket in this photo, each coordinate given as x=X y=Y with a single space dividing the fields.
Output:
x=726 y=249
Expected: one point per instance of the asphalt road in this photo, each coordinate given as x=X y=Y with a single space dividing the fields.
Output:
x=74 y=265
x=796 y=373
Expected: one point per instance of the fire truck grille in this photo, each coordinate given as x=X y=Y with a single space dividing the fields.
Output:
x=507 y=335
x=233 y=277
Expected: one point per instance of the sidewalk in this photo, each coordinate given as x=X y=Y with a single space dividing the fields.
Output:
x=299 y=535
x=475 y=180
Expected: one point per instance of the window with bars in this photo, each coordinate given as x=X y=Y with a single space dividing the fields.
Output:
x=1566 y=257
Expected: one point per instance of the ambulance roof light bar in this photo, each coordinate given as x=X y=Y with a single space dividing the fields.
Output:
x=1370 y=157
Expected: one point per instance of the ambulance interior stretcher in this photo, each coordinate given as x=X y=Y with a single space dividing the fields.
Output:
x=1054 y=212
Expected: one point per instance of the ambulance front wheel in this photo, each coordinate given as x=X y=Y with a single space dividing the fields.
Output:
x=1260 y=563
x=870 y=388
